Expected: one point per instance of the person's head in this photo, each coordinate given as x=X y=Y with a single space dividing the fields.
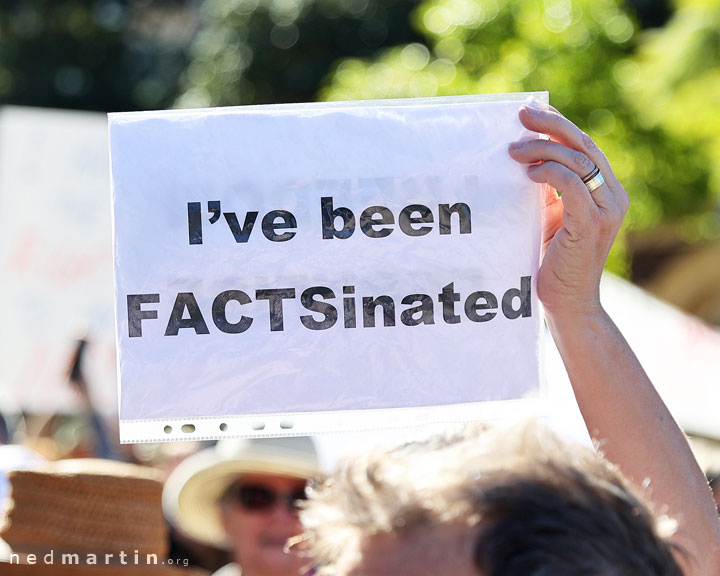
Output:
x=259 y=514
x=242 y=495
x=485 y=502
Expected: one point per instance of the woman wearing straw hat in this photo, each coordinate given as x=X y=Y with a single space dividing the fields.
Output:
x=242 y=495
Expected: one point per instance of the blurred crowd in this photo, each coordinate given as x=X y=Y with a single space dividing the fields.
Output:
x=221 y=502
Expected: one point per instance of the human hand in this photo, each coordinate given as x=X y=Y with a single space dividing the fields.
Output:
x=579 y=227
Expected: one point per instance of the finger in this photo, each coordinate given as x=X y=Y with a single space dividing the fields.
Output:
x=578 y=205
x=561 y=130
x=535 y=151
x=540 y=104
x=610 y=197
x=552 y=216
x=550 y=196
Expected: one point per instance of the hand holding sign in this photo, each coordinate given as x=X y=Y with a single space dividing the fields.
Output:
x=622 y=411
x=579 y=227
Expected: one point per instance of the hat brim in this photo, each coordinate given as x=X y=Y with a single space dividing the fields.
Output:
x=192 y=493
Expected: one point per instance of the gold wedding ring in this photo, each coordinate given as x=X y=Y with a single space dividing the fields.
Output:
x=594 y=180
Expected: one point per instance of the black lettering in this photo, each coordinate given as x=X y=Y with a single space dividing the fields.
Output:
x=464 y=217
x=328 y=311
x=406 y=220
x=523 y=294
x=275 y=296
x=195 y=235
x=269 y=225
x=448 y=297
x=186 y=301
x=220 y=316
x=425 y=309
x=367 y=223
x=241 y=235
x=369 y=306
x=349 y=318
x=215 y=210
x=480 y=301
x=329 y=215
x=136 y=315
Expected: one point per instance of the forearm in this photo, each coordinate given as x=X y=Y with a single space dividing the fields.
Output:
x=636 y=432
x=622 y=411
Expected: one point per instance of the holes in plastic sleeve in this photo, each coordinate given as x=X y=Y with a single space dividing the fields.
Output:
x=257 y=426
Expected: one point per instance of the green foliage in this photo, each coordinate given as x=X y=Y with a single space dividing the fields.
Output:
x=481 y=46
x=677 y=85
x=263 y=51
x=582 y=52
x=88 y=54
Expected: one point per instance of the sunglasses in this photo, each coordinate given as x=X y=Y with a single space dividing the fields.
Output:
x=258 y=498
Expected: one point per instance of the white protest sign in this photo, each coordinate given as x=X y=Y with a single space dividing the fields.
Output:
x=303 y=268
x=55 y=260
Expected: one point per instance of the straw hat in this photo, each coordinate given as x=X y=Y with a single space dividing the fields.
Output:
x=94 y=510
x=192 y=492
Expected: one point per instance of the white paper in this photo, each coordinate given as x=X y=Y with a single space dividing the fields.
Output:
x=55 y=260
x=171 y=169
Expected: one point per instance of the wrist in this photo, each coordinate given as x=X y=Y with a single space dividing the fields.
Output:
x=566 y=307
x=572 y=318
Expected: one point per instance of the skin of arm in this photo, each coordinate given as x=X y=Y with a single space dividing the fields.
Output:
x=622 y=411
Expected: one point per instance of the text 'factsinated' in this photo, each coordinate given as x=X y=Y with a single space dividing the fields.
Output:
x=338 y=223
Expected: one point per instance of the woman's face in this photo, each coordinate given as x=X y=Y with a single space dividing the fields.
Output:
x=259 y=519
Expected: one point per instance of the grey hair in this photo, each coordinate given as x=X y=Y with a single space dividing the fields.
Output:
x=535 y=504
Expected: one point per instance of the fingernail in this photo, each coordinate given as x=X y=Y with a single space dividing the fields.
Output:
x=516 y=145
x=530 y=109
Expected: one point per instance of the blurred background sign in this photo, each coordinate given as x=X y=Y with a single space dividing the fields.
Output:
x=55 y=260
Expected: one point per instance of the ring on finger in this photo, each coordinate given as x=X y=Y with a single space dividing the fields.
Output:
x=594 y=180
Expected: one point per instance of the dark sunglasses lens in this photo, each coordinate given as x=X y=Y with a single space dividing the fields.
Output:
x=296 y=498
x=256 y=497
